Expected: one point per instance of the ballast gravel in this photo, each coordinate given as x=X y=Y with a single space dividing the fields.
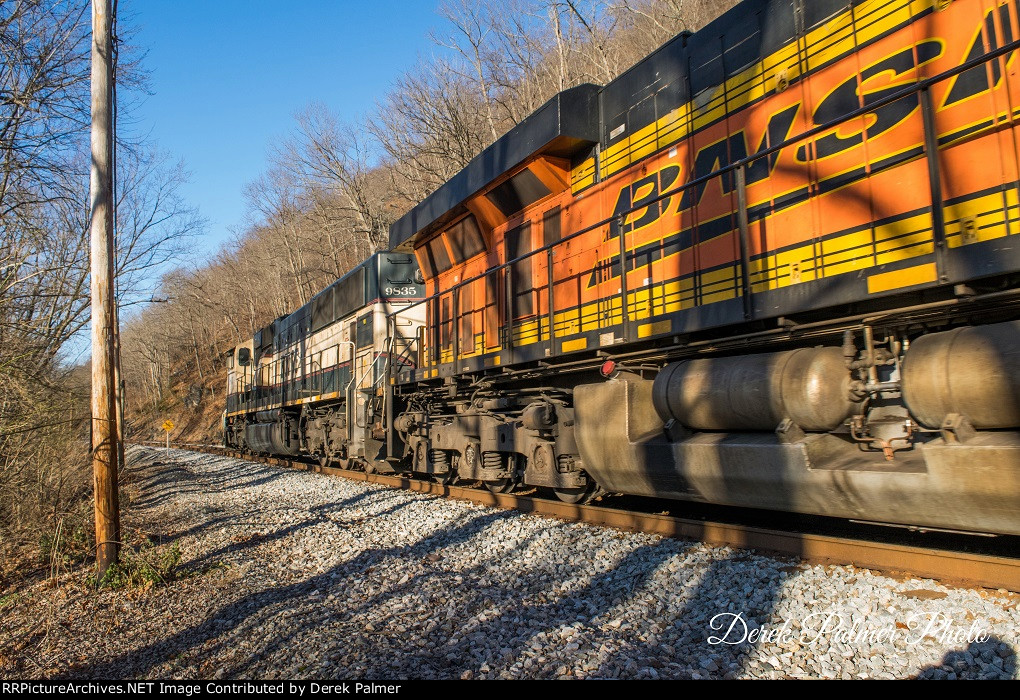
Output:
x=289 y=574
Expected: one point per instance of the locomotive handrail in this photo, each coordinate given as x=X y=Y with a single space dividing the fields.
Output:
x=408 y=344
x=387 y=360
x=918 y=87
x=354 y=352
x=316 y=379
x=370 y=367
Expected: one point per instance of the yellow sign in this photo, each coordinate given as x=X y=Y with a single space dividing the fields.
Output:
x=168 y=425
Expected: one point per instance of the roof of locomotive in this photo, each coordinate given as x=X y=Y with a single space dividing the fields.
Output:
x=319 y=311
x=560 y=126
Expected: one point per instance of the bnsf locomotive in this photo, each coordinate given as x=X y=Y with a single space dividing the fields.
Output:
x=773 y=265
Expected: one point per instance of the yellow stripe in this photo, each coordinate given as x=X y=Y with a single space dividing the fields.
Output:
x=571 y=345
x=650 y=329
x=981 y=219
x=919 y=274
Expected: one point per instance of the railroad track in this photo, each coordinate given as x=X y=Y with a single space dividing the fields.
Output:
x=944 y=565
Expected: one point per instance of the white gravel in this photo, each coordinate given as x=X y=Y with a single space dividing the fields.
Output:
x=301 y=575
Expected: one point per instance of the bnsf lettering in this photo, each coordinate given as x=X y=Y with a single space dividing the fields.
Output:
x=872 y=84
x=975 y=81
x=853 y=93
x=734 y=148
x=847 y=96
x=708 y=159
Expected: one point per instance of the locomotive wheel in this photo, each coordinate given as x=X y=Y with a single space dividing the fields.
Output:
x=501 y=485
x=578 y=496
x=446 y=478
x=324 y=460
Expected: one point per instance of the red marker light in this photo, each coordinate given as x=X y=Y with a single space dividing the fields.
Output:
x=608 y=367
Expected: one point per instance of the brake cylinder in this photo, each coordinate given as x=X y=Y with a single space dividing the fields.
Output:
x=810 y=386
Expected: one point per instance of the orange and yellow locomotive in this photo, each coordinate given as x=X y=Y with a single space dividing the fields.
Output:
x=772 y=265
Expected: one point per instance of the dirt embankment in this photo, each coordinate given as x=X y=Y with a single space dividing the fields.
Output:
x=195 y=407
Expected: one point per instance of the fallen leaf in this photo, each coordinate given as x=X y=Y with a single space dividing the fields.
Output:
x=923 y=594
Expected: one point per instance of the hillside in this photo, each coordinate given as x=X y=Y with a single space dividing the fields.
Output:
x=332 y=187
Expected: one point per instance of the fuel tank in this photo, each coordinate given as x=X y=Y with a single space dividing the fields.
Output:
x=810 y=386
x=973 y=371
x=275 y=433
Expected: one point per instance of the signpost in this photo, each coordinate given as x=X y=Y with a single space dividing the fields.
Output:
x=168 y=425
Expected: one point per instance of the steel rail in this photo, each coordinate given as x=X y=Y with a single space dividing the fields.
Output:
x=952 y=567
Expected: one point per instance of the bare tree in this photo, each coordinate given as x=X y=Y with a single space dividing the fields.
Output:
x=273 y=203
x=430 y=126
x=155 y=226
x=44 y=266
x=331 y=161
x=44 y=108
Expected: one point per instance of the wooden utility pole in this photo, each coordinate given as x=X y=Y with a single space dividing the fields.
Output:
x=105 y=450
x=118 y=378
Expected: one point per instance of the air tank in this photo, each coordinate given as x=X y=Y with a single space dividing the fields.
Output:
x=974 y=371
x=810 y=386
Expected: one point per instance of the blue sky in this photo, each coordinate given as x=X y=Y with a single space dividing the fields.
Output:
x=229 y=76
